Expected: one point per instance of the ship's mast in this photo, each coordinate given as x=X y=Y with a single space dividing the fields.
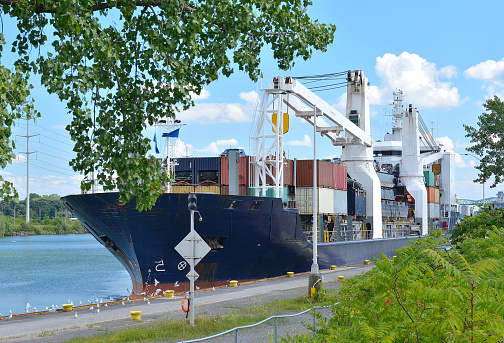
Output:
x=397 y=122
x=167 y=155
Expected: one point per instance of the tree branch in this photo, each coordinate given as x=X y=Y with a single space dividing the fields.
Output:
x=97 y=7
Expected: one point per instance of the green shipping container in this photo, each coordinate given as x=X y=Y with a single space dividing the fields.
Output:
x=429 y=178
x=270 y=193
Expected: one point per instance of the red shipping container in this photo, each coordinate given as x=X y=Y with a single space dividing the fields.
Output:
x=325 y=173
x=288 y=174
x=243 y=170
x=242 y=190
x=431 y=194
x=340 y=177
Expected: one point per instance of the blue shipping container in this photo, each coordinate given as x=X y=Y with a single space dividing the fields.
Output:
x=207 y=169
x=184 y=171
x=356 y=202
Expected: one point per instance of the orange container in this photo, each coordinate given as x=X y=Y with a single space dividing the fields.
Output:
x=431 y=194
x=325 y=173
x=243 y=170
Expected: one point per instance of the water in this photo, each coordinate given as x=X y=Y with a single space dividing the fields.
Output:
x=49 y=270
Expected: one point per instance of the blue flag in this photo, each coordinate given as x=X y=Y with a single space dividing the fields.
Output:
x=155 y=142
x=173 y=134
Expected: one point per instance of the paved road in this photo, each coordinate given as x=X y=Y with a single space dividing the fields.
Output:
x=61 y=326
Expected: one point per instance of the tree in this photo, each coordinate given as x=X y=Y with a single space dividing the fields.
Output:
x=122 y=65
x=15 y=102
x=488 y=141
x=477 y=226
x=425 y=294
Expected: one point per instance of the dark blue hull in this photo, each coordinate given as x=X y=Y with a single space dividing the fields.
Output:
x=247 y=243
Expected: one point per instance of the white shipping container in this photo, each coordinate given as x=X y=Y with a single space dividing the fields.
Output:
x=340 y=202
x=304 y=198
x=433 y=210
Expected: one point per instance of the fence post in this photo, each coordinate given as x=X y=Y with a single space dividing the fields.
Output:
x=313 y=322
x=236 y=335
x=276 y=329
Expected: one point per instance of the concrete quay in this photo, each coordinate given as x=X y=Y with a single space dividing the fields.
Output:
x=83 y=321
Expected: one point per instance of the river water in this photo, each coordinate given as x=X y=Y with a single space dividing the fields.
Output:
x=50 y=270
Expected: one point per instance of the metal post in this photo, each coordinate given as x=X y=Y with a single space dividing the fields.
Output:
x=314 y=332
x=191 y=280
x=276 y=329
x=27 y=171
x=315 y=274
x=314 y=268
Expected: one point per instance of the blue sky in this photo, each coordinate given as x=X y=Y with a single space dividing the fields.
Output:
x=447 y=57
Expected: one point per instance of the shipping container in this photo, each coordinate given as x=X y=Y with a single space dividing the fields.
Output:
x=270 y=193
x=436 y=180
x=242 y=190
x=288 y=172
x=184 y=177
x=243 y=170
x=429 y=178
x=340 y=202
x=182 y=188
x=214 y=189
x=436 y=195
x=184 y=170
x=433 y=210
x=430 y=194
x=386 y=179
x=387 y=193
x=325 y=197
x=207 y=170
x=356 y=202
x=304 y=173
x=340 y=177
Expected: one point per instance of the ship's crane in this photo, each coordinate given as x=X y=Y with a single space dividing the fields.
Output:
x=350 y=131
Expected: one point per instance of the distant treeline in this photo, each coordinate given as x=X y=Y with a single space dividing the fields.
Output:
x=40 y=207
x=48 y=216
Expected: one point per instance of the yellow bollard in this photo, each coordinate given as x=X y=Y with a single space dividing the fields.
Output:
x=136 y=315
x=333 y=267
x=169 y=293
x=67 y=307
x=341 y=278
x=367 y=261
x=233 y=283
x=290 y=274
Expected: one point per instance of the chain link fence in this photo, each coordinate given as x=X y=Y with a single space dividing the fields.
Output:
x=271 y=329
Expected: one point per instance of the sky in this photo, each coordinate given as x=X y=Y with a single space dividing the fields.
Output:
x=446 y=56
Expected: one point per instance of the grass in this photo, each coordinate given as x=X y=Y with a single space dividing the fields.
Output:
x=206 y=325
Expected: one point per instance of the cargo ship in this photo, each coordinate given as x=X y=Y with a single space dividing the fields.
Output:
x=257 y=213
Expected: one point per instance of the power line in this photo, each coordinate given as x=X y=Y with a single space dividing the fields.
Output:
x=55 y=171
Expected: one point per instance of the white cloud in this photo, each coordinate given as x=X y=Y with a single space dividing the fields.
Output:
x=19 y=159
x=305 y=142
x=488 y=70
x=340 y=105
x=218 y=146
x=250 y=97
x=182 y=149
x=472 y=164
x=204 y=94
x=418 y=78
x=211 y=113
x=492 y=73
x=447 y=144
